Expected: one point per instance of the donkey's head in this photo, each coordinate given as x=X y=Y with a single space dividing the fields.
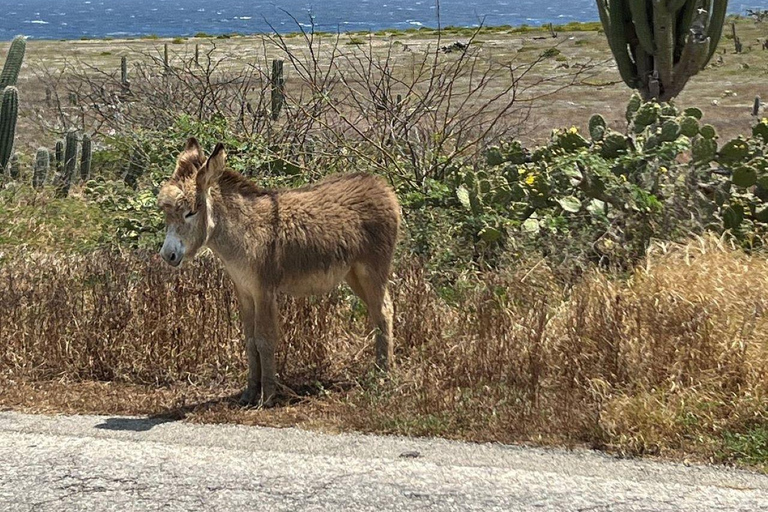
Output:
x=186 y=201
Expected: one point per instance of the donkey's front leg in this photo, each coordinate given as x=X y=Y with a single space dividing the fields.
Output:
x=267 y=333
x=248 y=317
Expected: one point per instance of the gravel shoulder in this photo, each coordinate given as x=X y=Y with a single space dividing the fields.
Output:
x=122 y=463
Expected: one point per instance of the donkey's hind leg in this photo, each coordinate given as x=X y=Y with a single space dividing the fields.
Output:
x=371 y=287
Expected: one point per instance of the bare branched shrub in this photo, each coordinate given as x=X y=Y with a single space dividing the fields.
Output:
x=412 y=108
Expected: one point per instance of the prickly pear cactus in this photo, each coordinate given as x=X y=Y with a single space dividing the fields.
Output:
x=670 y=130
x=635 y=101
x=708 y=132
x=703 y=150
x=689 y=126
x=42 y=167
x=614 y=145
x=646 y=115
x=569 y=140
x=761 y=130
x=597 y=127
x=733 y=151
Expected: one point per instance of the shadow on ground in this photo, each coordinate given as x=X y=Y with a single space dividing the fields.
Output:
x=174 y=414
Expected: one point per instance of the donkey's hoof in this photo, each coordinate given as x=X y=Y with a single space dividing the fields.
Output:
x=267 y=402
x=251 y=396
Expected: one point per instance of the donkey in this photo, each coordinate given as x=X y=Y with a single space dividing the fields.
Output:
x=298 y=242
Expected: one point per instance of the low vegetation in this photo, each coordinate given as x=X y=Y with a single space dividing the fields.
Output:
x=605 y=286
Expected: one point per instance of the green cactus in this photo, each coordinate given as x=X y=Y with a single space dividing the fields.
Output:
x=689 y=126
x=744 y=176
x=670 y=131
x=635 y=101
x=85 y=158
x=570 y=140
x=708 y=131
x=13 y=165
x=703 y=150
x=658 y=45
x=597 y=127
x=694 y=112
x=59 y=156
x=733 y=151
x=42 y=167
x=124 y=70
x=9 y=113
x=614 y=144
x=12 y=65
x=70 y=164
x=761 y=130
x=646 y=115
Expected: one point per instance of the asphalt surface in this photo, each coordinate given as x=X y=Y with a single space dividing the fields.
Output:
x=68 y=463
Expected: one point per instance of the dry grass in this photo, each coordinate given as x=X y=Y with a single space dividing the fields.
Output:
x=673 y=360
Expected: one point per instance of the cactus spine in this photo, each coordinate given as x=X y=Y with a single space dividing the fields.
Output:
x=659 y=45
x=10 y=72
x=9 y=113
x=42 y=167
x=85 y=158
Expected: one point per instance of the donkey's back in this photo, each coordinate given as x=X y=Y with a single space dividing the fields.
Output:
x=327 y=229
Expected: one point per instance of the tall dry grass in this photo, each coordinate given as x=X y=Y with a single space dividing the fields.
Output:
x=673 y=358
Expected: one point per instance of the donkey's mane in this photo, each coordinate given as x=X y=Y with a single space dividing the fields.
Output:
x=234 y=182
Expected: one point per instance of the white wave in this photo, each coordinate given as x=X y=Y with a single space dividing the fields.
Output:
x=37 y=22
x=417 y=23
x=243 y=17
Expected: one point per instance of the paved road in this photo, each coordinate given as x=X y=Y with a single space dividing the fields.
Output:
x=95 y=463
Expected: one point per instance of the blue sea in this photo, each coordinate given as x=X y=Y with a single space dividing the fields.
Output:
x=74 y=19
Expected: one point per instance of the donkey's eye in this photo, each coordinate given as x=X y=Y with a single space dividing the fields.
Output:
x=189 y=215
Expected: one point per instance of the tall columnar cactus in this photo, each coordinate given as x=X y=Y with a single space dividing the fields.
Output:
x=59 y=152
x=9 y=113
x=70 y=163
x=124 y=70
x=42 y=167
x=85 y=158
x=10 y=72
x=659 y=45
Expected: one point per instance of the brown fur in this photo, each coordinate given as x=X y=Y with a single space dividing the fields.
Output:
x=296 y=241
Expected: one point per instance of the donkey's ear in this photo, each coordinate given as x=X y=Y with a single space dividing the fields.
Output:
x=193 y=145
x=213 y=168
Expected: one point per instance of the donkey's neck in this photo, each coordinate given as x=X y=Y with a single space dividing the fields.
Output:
x=238 y=225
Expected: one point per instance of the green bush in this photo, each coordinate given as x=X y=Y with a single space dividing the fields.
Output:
x=605 y=197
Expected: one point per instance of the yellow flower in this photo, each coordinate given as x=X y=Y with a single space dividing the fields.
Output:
x=663 y=170
x=531 y=179
x=573 y=129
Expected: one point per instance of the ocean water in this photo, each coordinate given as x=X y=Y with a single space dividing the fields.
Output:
x=74 y=19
